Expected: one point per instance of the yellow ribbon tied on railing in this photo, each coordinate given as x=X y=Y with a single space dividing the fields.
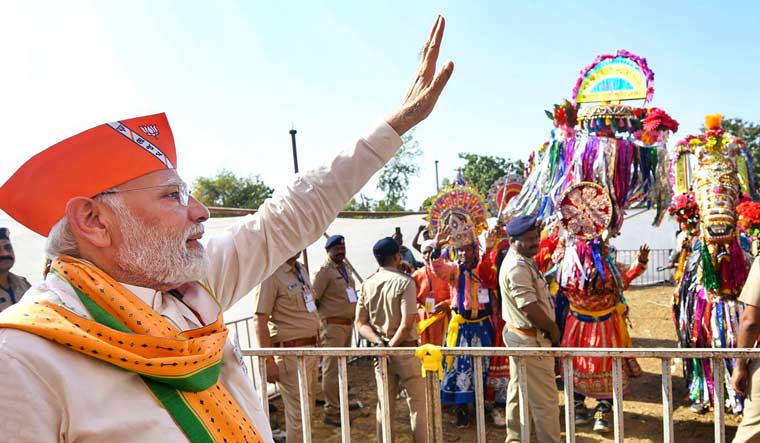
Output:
x=431 y=358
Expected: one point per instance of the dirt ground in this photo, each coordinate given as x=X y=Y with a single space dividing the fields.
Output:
x=652 y=327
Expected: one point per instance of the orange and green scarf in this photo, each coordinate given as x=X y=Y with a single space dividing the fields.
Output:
x=181 y=368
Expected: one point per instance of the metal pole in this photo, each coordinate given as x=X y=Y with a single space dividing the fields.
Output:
x=437 y=187
x=293 y=133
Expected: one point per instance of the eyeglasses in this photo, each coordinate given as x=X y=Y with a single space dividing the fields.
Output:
x=182 y=191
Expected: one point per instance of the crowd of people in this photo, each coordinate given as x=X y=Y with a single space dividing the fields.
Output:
x=124 y=340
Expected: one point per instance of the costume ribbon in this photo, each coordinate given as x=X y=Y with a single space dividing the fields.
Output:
x=619 y=310
x=453 y=333
x=426 y=323
x=181 y=368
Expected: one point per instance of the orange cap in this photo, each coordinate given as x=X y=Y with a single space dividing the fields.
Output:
x=85 y=165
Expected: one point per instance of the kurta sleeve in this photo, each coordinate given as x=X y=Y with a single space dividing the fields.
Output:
x=293 y=218
x=444 y=270
x=30 y=412
x=487 y=272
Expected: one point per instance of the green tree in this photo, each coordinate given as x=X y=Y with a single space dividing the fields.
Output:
x=230 y=191
x=481 y=171
x=394 y=178
x=750 y=133
x=363 y=203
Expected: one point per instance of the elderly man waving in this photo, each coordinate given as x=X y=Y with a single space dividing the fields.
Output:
x=124 y=340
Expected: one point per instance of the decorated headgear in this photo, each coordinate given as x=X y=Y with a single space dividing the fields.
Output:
x=334 y=240
x=715 y=180
x=586 y=210
x=502 y=191
x=85 y=165
x=462 y=209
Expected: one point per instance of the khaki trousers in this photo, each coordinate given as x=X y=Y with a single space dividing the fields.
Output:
x=403 y=373
x=749 y=428
x=333 y=336
x=288 y=384
x=543 y=401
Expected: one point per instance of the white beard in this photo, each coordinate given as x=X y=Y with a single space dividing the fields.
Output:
x=151 y=257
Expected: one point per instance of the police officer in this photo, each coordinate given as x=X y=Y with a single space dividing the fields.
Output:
x=530 y=322
x=386 y=316
x=335 y=294
x=286 y=316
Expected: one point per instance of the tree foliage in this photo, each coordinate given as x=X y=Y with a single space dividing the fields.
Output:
x=230 y=191
x=394 y=178
x=481 y=171
x=362 y=203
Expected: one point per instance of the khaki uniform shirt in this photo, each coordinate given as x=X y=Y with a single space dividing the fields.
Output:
x=521 y=283
x=281 y=296
x=19 y=285
x=751 y=292
x=49 y=393
x=385 y=295
x=330 y=291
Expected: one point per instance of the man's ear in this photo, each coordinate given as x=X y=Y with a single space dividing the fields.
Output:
x=89 y=222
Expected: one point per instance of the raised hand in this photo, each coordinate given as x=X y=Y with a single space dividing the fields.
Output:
x=427 y=86
x=442 y=236
x=644 y=253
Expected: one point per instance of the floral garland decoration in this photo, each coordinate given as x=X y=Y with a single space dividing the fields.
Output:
x=640 y=61
x=749 y=217
x=684 y=209
x=564 y=115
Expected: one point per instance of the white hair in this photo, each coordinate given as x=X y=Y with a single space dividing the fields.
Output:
x=61 y=240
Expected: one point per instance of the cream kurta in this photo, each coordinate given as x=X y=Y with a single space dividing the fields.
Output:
x=51 y=394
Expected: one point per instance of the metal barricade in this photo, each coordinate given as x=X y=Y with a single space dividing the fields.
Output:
x=433 y=402
x=658 y=271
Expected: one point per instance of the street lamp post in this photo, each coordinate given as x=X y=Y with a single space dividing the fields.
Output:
x=293 y=133
x=437 y=187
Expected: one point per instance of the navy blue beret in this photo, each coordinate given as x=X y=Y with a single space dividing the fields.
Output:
x=334 y=240
x=385 y=247
x=520 y=225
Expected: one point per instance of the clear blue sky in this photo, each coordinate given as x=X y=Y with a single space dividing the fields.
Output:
x=233 y=76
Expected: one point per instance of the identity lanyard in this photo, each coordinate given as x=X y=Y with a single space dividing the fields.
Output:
x=430 y=282
x=9 y=290
x=300 y=277
x=343 y=273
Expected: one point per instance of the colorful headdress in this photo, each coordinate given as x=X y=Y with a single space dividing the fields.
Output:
x=85 y=165
x=586 y=210
x=463 y=210
x=502 y=191
x=749 y=217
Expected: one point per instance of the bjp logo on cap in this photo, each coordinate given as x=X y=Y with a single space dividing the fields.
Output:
x=150 y=130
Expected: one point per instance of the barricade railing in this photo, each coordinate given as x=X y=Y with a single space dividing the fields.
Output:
x=658 y=271
x=432 y=384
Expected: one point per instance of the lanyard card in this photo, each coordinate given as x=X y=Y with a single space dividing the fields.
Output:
x=308 y=298
x=351 y=294
x=483 y=296
x=429 y=305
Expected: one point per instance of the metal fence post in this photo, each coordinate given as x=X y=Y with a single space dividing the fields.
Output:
x=667 y=402
x=567 y=366
x=525 y=418
x=261 y=365
x=480 y=419
x=719 y=400
x=617 y=398
x=345 y=419
x=385 y=400
x=303 y=387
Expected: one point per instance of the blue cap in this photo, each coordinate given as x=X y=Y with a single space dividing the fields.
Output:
x=385 y=247
x=520 y=225
x=334 y=240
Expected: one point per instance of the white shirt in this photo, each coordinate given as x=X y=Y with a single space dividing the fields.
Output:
x=49 y=393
